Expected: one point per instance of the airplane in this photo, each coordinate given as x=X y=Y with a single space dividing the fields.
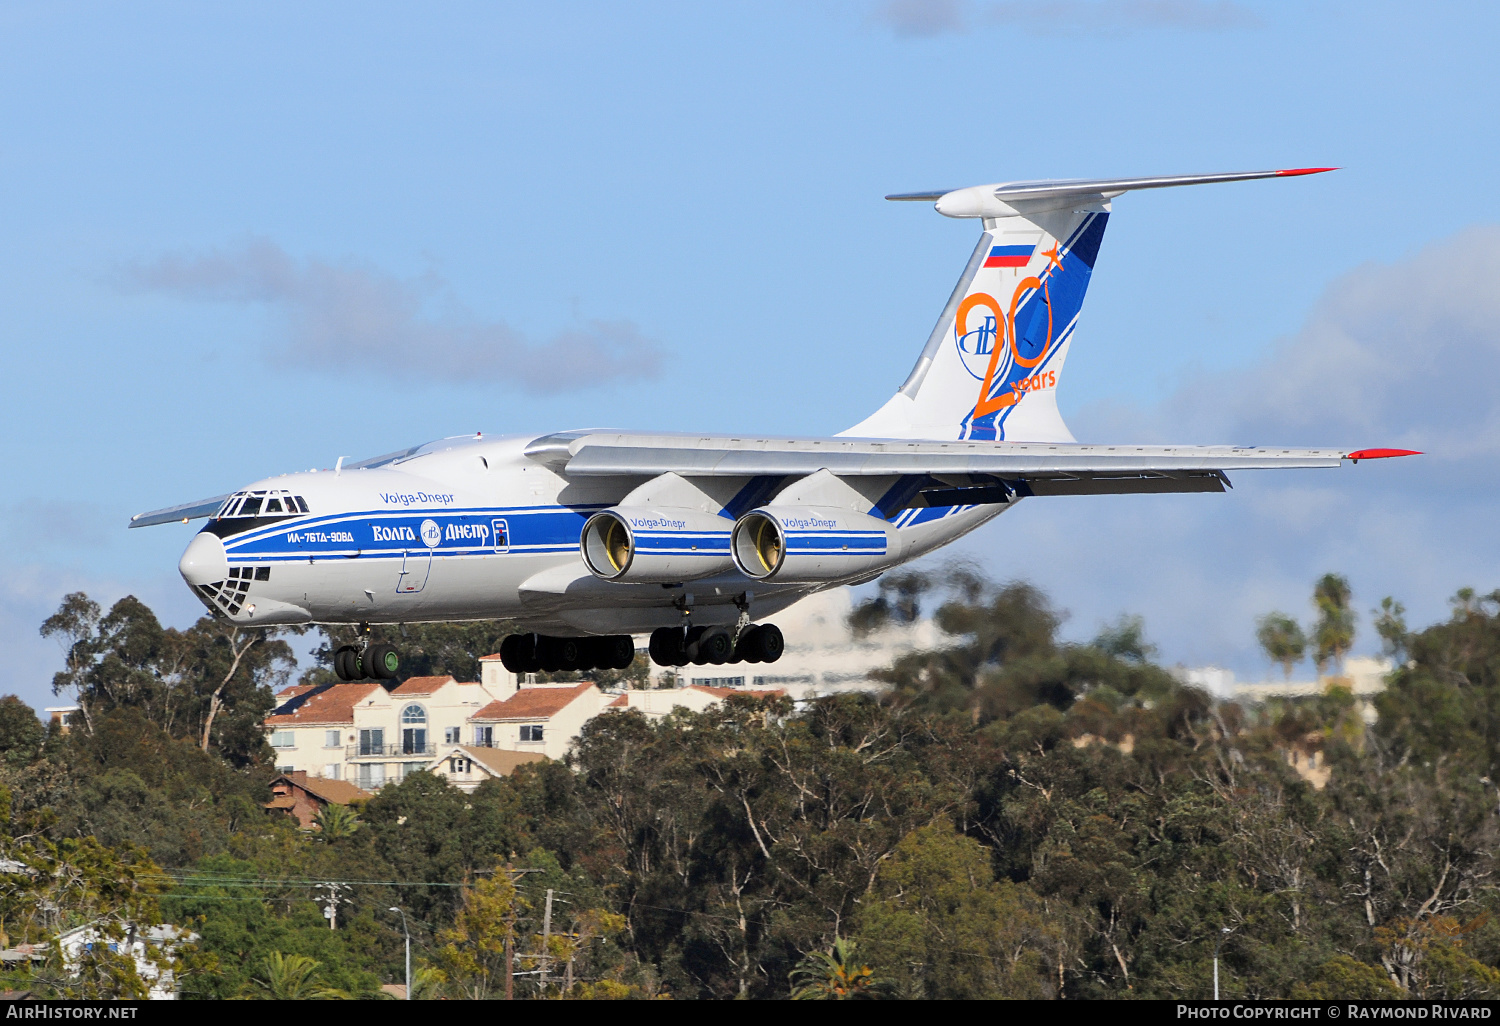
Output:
x=588 y=537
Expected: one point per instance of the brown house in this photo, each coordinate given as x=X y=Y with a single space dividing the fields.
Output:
x=303 y=798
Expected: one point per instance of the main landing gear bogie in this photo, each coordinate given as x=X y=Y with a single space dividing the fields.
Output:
x=541 y=653
x=373 y=662
x=714 y=646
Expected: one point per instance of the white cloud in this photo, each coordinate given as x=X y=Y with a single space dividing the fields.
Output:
x=344 y=316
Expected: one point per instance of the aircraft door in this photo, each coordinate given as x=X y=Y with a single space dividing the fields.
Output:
x=415 y=566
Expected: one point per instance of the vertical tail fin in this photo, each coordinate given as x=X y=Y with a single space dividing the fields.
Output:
x=991 y=368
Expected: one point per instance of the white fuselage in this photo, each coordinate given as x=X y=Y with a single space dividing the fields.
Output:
x=473 y=529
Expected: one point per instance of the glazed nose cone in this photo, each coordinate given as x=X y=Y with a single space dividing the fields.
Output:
x=204 y=562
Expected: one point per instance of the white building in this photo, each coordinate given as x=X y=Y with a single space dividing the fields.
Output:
x=151 y=949
x=695 y=697
x=362 y=733
x=1364 y=677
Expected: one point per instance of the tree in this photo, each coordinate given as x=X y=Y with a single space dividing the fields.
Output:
x=1334 y=633
x=1281 y=639
x=833 y=975
x=293 y=978
x=337 y=821
x=478 y=950
x=1390 y=624
x=21 y=733
x=938 y=925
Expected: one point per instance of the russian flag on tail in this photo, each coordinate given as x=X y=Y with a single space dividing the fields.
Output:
x=1009 y=256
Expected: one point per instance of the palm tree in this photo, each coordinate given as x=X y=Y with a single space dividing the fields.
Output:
x=335 y=821
x=1334 y=634
x=293 y=978
x=1282 y=640
x=833 y=975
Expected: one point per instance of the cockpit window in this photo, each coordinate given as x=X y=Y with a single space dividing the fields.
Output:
x=244 y=511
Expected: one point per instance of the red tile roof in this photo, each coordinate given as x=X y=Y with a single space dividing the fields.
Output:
x=329 y=703
x=421 y=685
x=726 y=692
x=533 y=703
x=489 y=658
x=619 y=703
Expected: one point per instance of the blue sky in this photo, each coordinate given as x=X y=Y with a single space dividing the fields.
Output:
x=424 y=220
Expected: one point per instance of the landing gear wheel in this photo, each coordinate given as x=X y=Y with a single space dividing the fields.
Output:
x=346 y=663
x=381 y=662
x=615 y=652
x=714 y=647
x=548 y=654
x=572 y=653
x=529 y=653
x=763 y=644
x=666 y=644
x=689 y=653
x=511 y=652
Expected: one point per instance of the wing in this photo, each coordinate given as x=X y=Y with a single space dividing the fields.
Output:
x=1040 y=468
x=185 y=512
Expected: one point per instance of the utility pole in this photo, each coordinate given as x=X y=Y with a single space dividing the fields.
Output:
x=331 y=903
x=408 y=949
x=546 y=932
x=510 y=976
x=1224 y=932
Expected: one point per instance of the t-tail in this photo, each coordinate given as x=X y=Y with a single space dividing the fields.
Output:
x=992 y=366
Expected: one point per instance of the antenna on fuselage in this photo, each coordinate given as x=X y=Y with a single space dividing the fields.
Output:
x=338 y=468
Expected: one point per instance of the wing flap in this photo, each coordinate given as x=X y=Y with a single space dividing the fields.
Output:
x=622 y=455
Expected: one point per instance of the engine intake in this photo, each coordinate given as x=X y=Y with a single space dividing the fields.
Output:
x=632 y=544
x=809 y=543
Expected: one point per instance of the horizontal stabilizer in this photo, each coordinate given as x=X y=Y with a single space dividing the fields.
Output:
x=1004 y=199
x=174 y=514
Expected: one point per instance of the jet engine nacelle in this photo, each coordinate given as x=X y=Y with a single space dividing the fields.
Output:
x=811 y=543
x=664 y=545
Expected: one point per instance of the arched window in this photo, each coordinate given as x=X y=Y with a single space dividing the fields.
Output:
x=414 y=715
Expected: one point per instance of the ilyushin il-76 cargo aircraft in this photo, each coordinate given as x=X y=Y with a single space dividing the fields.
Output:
x=588 y=537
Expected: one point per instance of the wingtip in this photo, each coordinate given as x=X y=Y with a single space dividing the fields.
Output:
x=1293 y=172
x=1380 y=454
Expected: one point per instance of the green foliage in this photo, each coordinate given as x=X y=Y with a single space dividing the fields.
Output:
x=1016 y=817
x=292 y=978
x=336 y=822
x=1334 y=633
x=938 y=925
x=1282 y=640
x=833 y=975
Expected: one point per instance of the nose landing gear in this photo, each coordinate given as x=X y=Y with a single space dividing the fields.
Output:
x=375 y=662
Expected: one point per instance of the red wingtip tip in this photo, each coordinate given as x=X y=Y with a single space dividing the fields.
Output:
x=1380 y=454
x=1293 y=172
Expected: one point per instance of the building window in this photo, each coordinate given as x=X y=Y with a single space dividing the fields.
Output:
x=458 y=765
x=286 y=769
x=331 y=771
x=484 y=737
x=531 y=732
x=284 y=739
x=414 y=714
x=372 y=741
x=370 y=776
x=330 y=739
x=450 y=735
